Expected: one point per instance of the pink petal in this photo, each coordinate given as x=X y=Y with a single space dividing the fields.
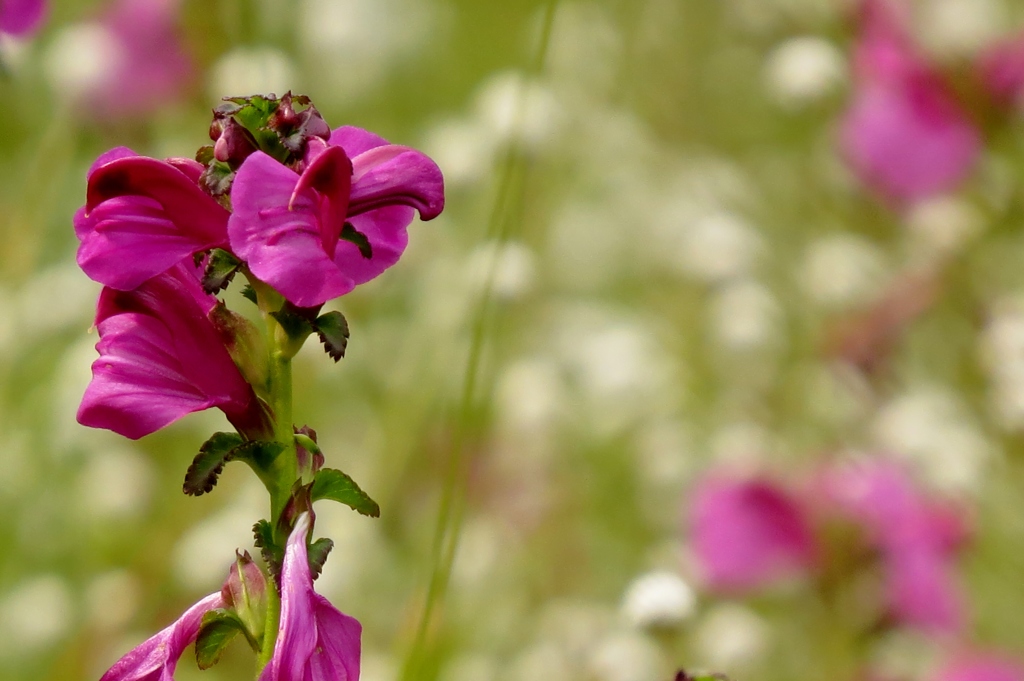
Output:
x=392 y=174
x=355 y=140
x=982 y=666
x=277 y=231
x=156 y=658
x=748 y=533
x=385 y=229
x=921 y=590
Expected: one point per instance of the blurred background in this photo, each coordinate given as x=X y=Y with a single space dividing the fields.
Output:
x=714 y=360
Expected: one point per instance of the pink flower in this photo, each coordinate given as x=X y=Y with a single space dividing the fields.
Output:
x=1001 y=69
x=748 y=533
x=315 y=641
x=905 y=134
x=21 y=17
x=156 y=658
x=161 y=358
x=982 y=666
x=341 y=223
x=150 y=67
x=915 y=539
x=143 y=216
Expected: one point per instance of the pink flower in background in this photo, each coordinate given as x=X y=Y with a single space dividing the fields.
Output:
x=982 y=666
x=916 y=540
x=143 y=216
x=161 y=358
x=150 y=67
x=341 y=223
x=315 y=641
x=1001 y=69
x=748 y=533
x=21 y=17
x=904 y=134
x=156 y=658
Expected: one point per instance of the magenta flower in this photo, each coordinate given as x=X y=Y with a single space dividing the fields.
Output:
x=315 y=641
x=915 y=539
x=21 y=17
x=748 y=533
x=341 y=223
x=905 y=134
x=982 y=666
x=143 y=216
x=1001 y=70
x=156 y=658
x=161 y=358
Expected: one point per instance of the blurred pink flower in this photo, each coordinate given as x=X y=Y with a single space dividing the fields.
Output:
x=982 y=666
x=915 y=538
x=748 y=533
x=21 y=17
x=904 y=134
x=150 y=66
x=1001 y=69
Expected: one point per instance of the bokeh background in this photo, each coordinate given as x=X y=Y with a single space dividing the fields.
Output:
x=660 y=264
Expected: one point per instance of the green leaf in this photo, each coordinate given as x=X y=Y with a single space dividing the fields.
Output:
x=332 y=328
x=217 y=178
x=201 y=476
x=258 y=453
x=220 y=270
x=352 y=235
x=335 y=485
x=219 y=627
x=296 y=326
x=273 y=554
x=318 y=552
x=249 y=293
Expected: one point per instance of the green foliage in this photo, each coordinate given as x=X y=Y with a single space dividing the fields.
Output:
x=218 y=629
x=208 y=464
x=334 y=485
x=332 y=328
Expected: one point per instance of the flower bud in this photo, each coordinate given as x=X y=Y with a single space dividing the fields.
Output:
x=246 y=592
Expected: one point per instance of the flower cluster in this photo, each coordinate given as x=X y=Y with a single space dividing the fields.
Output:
x=305 y=214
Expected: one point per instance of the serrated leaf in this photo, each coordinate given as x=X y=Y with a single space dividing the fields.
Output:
x=318 y=552
x=219 y=627
x=201 y=476
x=217 y=178
x=332 y=328
x=220 y=269
x=337 y=486
x=273 y=554
x=249 y=293
x=352 y=235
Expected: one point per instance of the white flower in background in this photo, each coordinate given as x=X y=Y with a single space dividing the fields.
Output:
x=584 y=51
x=470 y=667
x=625 y=656
x=512 y=107
x=941 y=227
x=352 y=45
x=116 y=482
x=510 y=268
x=930 y=428
x=464 y=147
x=34 y=615
x=1002 y=355
x=745 y=315
x=112 y=599
x=659 y=599
x=718 y=247
x=730 y=635
x=842 y=270
x=575 y=626
x=905 y=654
x=542 y=661
x=803 y=70
x=530 y=395
x=665 y=454
x=79 y=59
x=252 y=70
x=741 y=443
x=959 y=28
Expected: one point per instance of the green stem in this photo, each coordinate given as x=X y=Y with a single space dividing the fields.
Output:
x=269 y=631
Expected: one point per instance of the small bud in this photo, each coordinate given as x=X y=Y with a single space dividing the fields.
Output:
x=246 y=592
x=234 y=145
x=310 y=457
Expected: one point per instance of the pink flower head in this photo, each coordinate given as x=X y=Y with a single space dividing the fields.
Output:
x=143 y=216
x=982 y=666
x=905 y=134
x=161 y=358
x=156 y=658
x=150 y=66
x=748 y=533
x=1001 y=69
x=22 y=17
x=915 y=538
x=315 y=641
x=341 y=223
